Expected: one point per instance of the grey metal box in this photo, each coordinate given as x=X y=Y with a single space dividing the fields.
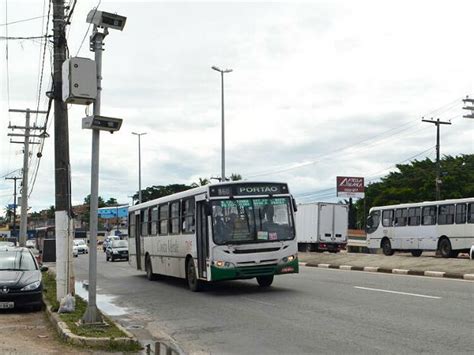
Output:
x=79 y=81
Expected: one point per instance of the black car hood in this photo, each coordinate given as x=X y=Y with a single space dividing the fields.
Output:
x=18 y=278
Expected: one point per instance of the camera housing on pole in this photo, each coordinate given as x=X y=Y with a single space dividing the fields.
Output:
x=102 y=123
x=106 y=20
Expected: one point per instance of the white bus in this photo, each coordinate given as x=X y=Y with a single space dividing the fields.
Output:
x=445 y=226
x=226 y=231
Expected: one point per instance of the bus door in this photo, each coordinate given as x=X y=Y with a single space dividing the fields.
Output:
x=202 y=237
x=138 y=243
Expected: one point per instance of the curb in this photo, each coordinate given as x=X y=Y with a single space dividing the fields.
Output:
x=438 y=274
x=66 y=334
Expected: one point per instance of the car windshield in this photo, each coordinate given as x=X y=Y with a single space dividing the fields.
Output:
x=119 y=243
x=6 y=244
x=79 y=242
x=16 y=261
x=252 y=220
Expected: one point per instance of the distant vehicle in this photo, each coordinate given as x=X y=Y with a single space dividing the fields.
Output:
x=116 y=249
x=4 y=244
x=31 y=243
x=108 y=240
x=75 y=252
x=20 y=279
x=471 y=252
x=226 y=231
x=445 y=226
x=321 y=226
x=81 y=246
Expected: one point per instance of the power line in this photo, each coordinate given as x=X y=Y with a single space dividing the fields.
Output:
x=88 y=28
x=25 y=20
x=29 y=37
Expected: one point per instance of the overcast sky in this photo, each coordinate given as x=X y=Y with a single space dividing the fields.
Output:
x=318 y=89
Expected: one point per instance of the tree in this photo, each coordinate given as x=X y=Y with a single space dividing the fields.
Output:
x=111 y=202
x=101 y=203
x=51 y=212
x=235 y=177
x=202 y=182
x=153 y=192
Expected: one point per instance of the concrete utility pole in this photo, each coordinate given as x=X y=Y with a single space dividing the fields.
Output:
x=223 y=179
x=437 y=122
x=139 y=166
x=14 y=199
x=26 y=155
x=63 y=221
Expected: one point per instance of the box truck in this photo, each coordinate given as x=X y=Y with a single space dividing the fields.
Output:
x=322 y=226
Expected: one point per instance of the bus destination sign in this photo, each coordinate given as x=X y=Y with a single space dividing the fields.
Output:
x=249 y=189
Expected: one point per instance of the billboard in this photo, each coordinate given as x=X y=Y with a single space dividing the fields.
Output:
x=112 y=212
x=350 y=186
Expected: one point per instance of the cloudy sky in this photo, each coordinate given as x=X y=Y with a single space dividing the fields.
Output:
x=318 y=89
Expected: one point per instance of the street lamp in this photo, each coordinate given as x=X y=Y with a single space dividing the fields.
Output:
x=222 y=106
x=139 y=167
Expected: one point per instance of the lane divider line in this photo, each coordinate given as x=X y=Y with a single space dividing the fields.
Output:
x=397 y=292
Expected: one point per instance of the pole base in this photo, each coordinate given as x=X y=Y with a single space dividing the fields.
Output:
x=92 y=316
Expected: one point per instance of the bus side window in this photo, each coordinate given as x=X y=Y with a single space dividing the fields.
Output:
x=373 y=221
x=187 y=216
x=387 y=218
x=470 y=213
x=429 y=216
x=446 y=214
x=461 y=213
x=144 y=218
x=154 y=220
x=414 y=216
x=174 y=218
x=401 y=217
x=163 y=216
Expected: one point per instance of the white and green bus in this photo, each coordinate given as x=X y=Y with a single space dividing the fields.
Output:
x=225 y=231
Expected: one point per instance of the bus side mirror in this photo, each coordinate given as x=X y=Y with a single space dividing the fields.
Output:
x=207 y=209
x=295 y=208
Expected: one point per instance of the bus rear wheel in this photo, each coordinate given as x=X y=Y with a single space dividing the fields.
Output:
x=416 y=252
x=387 y=247
x=445 y=249
x=194 y=283
x=265 y=281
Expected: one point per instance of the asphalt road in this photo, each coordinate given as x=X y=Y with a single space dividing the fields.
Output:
x=316 y=311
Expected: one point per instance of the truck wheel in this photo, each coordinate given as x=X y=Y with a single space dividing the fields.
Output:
x=387 y=247
x=265 y=281
x=416 y=252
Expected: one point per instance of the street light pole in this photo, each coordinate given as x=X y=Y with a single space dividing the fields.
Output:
x=139 y=166
x=223 y=122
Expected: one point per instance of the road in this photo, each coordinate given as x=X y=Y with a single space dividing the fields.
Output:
x=316 y=311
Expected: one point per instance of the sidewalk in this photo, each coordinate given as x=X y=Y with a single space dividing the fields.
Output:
x=455 y=267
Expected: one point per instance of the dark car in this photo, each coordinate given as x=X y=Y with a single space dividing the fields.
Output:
x=116 y=249
x=20 y=279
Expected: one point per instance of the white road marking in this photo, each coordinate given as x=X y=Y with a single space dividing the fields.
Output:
x=397 y=292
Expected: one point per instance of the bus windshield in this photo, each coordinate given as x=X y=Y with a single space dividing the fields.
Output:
x=252 y=220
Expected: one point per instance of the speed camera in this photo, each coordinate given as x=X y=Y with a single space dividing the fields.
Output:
x=106 y=19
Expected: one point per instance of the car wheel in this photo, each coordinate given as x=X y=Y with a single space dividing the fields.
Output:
x=112 y=258
x=416 y=252
x=194 y=283
x=387 y=247
x=106 y=258
x=265 y=281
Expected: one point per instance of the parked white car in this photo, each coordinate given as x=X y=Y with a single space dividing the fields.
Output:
x=471 y=253
x=81 y=246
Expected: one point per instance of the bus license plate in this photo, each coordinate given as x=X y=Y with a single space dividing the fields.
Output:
x=6 y=305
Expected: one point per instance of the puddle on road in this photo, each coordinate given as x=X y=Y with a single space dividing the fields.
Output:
x=104 y=302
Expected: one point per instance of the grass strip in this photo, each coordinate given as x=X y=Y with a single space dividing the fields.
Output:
x=71 y=319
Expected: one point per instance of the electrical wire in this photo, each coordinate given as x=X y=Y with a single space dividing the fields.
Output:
x=19 y=21
x=88 y=28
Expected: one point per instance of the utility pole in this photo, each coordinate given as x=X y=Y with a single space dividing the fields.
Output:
x=223 y=179
x=26 y=155
x=63 y=220
x=15 y=178
x=139 y=166
x=437 y=122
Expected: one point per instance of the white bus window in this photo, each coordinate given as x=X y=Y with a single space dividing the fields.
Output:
x=163 y=214
x=414 y=216
x=446 y=214
x=174 y=218
x=429 y=216
x=470 y=213
x=131 y=225
x=373 y=221
x=187 y=216
x=387 y=218
x=401 y=215
x=154 y=220
x=461 y=213
x=144 y=216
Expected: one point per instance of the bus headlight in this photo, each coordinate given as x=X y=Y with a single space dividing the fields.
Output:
x=223 y=264
x=288 y=259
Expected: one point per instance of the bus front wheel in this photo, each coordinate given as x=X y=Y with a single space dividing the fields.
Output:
x=194 y=283
x=387 y=247
x=265 y=281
